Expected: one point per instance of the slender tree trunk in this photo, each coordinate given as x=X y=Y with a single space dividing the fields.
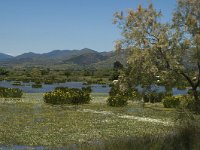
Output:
x=194 y=92
x=196 y=100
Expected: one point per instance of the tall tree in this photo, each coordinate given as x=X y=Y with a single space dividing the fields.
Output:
x=186 y=22
x=159 y=50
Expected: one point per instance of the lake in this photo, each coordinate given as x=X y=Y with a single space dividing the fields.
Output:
x=27 y=87
x=96 y=88
x=175 y=90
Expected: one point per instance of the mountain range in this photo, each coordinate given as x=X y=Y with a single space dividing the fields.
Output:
x=85 y=57
x=5 y=56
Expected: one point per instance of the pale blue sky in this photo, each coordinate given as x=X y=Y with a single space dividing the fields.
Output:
x=44 y=25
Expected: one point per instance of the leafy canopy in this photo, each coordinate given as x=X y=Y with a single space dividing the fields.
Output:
x=159 y=49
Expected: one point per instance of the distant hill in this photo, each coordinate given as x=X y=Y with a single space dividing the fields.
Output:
x=80 y=58
x=55 y=54
x=30 y=55
x=66 y=54
x=5 y=56
x=87 y=58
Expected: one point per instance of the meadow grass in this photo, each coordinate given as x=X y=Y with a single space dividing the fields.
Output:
x=31 y=122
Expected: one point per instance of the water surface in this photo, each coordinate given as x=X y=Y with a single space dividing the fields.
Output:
x=27 y=87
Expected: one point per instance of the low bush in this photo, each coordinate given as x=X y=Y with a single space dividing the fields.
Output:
x=36 y=85
x=115 y=90
x=171 y=102
x=48 y=82
x=10 y=92
x=187 y=101
x=181 y=88
x=87 y=89
x=190 y=92
x=62 y=95
x=117 y=100
x=64 y=89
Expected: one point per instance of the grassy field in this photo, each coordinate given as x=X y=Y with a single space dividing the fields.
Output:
x=30 y=122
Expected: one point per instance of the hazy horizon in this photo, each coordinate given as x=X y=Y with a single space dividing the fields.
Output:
x=41 y=26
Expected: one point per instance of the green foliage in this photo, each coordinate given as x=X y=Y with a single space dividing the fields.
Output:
x=159 y=49
x=104 y=131
x=171 y=102
x=45 y=71
x=37 y=85
x=63 y=95
x=48 y=81
x=117 y=97
x=181 y=87
x=87 y=89
x=117 y=65
x=67 y=73
x=187 y=102
x=10 y=92
x=190 y=92
x=117 y=100
x=153 y=97
x=3 y=72
x=115 y=75
x=115 y=89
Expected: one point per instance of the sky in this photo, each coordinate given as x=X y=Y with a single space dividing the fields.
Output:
x=41 y=26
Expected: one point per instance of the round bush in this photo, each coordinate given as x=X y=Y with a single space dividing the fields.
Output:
x=187 y=101
x=10 y=92
x=63 y=95
x=87 y=89
x=171 y=102
x=36 y=85
x=117 y=100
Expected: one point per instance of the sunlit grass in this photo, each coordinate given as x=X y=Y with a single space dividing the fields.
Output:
x=31 y=122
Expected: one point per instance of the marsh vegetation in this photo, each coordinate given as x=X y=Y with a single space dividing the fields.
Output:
x=94 y=125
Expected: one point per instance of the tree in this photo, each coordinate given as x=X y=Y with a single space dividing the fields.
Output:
x=186 y=22
x=117 y=67
x=67 y=73
x=160 y=50
x=3 y=72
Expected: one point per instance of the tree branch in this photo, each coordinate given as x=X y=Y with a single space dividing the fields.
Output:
x=165 y=59
x=198 y=79
x=188 y=79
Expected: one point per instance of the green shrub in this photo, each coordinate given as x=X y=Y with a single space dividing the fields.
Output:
x=63 y=95
x=187 y=101
x=181 y=87
x=117 y=100
x=64 y=89
x=190 y=92
x=115 y=90
x=36 y=85
x=171 y=102
x=10 y=92
x=87 y=89
x=48 y=81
